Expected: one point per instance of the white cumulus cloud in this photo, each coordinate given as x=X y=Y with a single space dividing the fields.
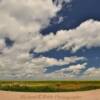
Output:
x=86 y=35
x=21 y=22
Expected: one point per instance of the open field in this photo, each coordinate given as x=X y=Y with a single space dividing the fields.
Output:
x=49 y=86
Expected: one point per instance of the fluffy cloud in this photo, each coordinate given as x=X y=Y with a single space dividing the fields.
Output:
x=25 y=67
x=67 y=60
x=75 y=68
x=71 y=72
x=25 y=16
x=92 y=73
x=21 y=23
x=60 y=2
x=86 y=35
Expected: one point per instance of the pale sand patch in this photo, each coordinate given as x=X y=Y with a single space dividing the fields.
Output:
x=86 y=95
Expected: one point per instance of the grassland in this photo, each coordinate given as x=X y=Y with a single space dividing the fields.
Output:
x=49 y=86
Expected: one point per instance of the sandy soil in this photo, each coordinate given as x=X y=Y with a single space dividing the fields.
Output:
x=87 y=95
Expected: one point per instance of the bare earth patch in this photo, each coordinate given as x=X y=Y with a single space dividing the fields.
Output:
x=86 y=95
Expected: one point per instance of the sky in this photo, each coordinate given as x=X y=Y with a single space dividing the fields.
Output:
x=49 y=40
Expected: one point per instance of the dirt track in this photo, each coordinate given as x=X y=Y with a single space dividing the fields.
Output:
x=87 y=95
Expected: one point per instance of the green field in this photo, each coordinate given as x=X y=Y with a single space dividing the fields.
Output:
x=49 y=86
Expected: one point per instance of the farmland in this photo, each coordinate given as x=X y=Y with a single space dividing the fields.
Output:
x=49 y=86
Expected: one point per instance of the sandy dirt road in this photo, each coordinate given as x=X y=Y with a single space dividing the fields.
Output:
x=86 y=95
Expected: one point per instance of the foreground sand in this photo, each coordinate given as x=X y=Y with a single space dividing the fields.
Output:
x=87 y=95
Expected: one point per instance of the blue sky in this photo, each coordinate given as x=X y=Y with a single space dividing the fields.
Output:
x=59 y=41
x=74 y=13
